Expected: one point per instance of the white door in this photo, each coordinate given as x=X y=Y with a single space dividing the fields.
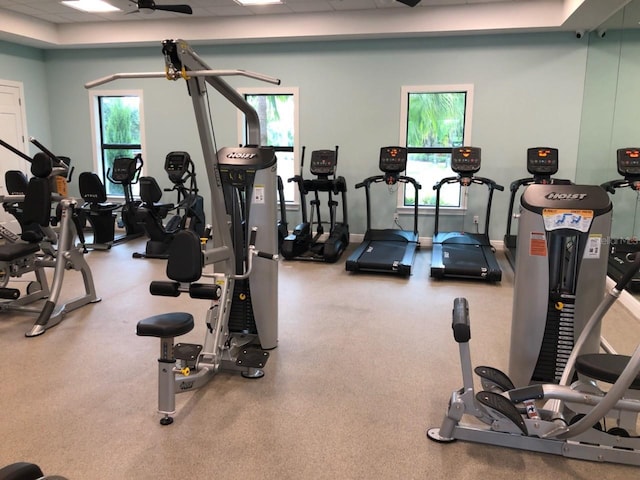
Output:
x=12 y=132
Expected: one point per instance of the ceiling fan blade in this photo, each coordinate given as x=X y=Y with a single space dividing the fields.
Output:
x=186 y=9
x=411 y=3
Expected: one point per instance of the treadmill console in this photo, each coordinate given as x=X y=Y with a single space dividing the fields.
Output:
x=176 y=164
x=323 y=163
x=465 y=160
x=542 y=161
x=393 y=159
x=629 y=162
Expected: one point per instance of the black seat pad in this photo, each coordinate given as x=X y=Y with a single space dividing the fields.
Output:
x=165 y=325
x=604 y=367
x=11 y=251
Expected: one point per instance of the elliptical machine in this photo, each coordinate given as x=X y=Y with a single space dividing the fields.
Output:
x=303 y=244
x=188 y=209
x=621 y=251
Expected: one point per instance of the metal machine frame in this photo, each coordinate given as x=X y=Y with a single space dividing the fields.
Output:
x=252 y=287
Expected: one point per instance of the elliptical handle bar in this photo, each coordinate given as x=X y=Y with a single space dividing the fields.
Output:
x=16 y=151
x=54 y=158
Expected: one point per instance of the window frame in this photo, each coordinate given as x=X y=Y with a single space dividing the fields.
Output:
x=96 y=129
x=296 y=149
x=405 y=91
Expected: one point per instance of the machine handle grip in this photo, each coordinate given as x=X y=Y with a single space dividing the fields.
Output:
x=445 y=181
x=268 y=256
x=252 y=236
x=460 y=321
x=516 y=184
x=629 y=274
x=611 y=186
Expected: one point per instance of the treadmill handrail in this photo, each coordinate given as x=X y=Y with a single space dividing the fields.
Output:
x=516 y=184
x=612 y=185
x=402 y=179
x=492 y=185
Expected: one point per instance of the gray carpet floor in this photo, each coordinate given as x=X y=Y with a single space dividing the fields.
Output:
x=365 y=364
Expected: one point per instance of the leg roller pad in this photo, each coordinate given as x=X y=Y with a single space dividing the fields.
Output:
x=165 y=325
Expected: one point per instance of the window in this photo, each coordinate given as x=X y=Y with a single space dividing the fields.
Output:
x=117 y=131
x=437 y=118
x=278 y=113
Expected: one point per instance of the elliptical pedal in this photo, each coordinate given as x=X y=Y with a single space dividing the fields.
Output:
x=504 y=407
x=493 y=379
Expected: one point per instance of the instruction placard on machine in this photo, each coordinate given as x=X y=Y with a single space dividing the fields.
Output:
x=555 y=219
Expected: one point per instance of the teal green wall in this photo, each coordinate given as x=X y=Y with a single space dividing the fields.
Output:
x=528 y=92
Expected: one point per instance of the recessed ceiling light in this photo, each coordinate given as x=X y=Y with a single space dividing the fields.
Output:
x=91 y=6
x=245 y=3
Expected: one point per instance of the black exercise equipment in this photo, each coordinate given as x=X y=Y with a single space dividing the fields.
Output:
x=303 y=243
x=465 y=254
x=25 y=471
x=542 y=163
x=39 y=247
x=621 y=250
x=188 y=211
x=388 y=250
x=282 y=225
x=102 y=214
x=16 y=183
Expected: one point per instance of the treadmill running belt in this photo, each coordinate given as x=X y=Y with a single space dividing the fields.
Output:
x=382 y=255
x=463 y=259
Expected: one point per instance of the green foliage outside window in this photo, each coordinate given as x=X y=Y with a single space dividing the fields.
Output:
x=277 y=120
x=120 y=134
x=435 y=122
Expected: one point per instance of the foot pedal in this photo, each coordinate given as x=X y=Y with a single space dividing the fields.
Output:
x=503 y=406
x=252 y=357
x=187 y=351
x=492 y=377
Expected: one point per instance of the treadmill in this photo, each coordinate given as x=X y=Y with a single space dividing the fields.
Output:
x=391 y=250
x=465 y=254
x=621 y=250
x=542 y=162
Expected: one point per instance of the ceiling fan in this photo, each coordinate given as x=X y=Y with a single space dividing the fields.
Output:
x=152 y=6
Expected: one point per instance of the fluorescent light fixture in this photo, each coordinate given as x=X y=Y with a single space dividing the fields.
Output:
x=91 y=6
x=246 y=3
